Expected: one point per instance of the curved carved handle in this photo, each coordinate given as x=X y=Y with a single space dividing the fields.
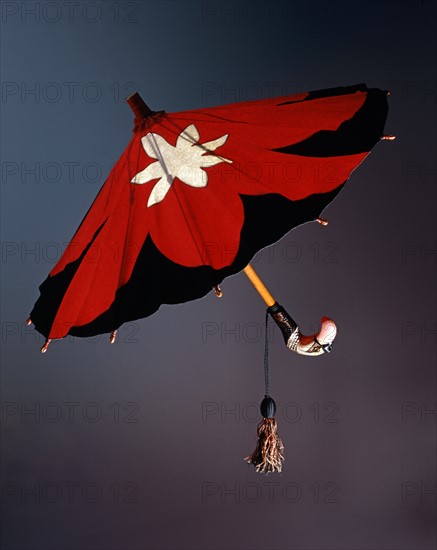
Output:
x=313 y=345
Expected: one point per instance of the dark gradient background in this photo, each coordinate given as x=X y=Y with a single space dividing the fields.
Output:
x=140 y=445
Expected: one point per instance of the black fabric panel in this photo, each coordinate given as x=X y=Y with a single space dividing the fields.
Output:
x=156 y=280
x=356 y=135
x=328 y=92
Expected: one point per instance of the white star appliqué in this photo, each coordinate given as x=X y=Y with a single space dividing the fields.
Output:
x=185 y=161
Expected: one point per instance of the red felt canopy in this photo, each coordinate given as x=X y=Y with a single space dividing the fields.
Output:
x=188 y=195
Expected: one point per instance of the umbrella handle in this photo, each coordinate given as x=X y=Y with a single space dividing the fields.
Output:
x=316 y=344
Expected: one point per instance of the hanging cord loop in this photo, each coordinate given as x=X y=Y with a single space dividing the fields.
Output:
x=266 y=355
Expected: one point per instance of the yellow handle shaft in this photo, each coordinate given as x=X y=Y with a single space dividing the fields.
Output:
x=259 y=285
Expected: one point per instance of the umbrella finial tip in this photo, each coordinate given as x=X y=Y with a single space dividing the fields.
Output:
x=46 y=345
x=388 y=137
x=218 y=291
x=322 y=221
x=113 y=337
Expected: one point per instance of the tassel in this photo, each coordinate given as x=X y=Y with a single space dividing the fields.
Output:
x=268 y=454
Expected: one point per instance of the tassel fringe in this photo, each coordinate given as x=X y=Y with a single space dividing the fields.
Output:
x=268 y=455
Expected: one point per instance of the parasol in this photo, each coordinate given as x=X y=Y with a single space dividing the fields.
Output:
x=192 y=199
